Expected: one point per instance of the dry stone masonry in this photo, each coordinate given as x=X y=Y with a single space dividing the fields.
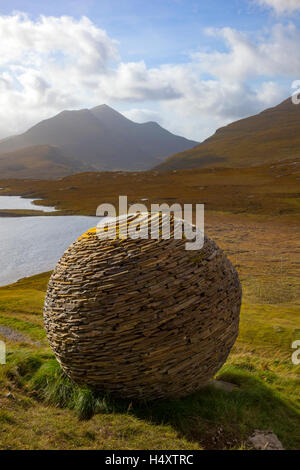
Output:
x=142 y=318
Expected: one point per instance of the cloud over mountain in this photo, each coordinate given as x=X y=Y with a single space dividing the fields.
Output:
x=53 y=63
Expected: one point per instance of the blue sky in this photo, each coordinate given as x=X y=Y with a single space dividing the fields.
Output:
x=157 y=31
x=191 y=65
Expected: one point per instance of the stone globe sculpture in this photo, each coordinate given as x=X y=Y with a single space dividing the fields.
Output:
x=142 y=318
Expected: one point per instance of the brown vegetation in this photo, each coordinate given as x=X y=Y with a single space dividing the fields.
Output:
x=269 y=189
x=272 y=134
x=253 y=215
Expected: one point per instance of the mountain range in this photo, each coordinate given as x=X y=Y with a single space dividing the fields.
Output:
x=102 y=139
x=97 y=139
x=271 y=135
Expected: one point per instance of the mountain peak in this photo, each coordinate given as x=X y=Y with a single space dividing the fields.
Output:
x=99 y=138
x=102 y=106
x=105 y=109
x=109 y=116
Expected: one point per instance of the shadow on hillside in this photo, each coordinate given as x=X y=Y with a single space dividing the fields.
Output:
x=214 y=418
x=219 y=419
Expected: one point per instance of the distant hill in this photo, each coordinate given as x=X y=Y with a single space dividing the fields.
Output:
x=265 y=137
x=89 y=139
x=39 y=161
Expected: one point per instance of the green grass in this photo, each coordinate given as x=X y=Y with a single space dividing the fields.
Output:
x=64 y=415
x=56 y=389
x=87 y=420
x=27 y=295
x=48 y=411
x=35 y=332
x=255 y=404
x=6 y=418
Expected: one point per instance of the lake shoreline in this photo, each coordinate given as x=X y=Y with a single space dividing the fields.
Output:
x=19 y=206
x=30 y=245
x=16 y=213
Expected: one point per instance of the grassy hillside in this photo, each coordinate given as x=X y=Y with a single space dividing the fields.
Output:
x=272 y=134
x=39 y=161
x=40 y=408
x=253 y=214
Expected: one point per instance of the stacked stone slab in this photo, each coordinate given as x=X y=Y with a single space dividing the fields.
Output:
x=142 y=318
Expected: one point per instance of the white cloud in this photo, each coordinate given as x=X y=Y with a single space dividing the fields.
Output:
x=55 y=63
x=246 y=59
x=47 y=65
x=27 y=42
x=142 y=115
x=52 y=64
x=244 y=79
x=281 y=6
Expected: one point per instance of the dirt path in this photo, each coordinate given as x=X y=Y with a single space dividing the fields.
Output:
x=15 y=336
